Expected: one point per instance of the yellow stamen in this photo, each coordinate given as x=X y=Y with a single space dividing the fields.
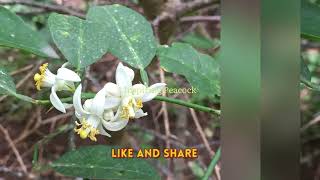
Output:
x=92 y=134
x=43 y=68
x=86 y=130
x=125 y=112
x=38 y=78
x=139 y=104
x=83 y=134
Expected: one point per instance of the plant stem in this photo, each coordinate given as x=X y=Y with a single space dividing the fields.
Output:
x=187 y=104
x=158 y=98
x=36 y=166
x=212 y=164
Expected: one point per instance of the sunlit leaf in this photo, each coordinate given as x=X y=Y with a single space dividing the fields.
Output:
x=130 y=34
x=96 y=162
x=201 y=70
x=81 y=42
x=310 y=20
x=16 y=34
x=199 y=41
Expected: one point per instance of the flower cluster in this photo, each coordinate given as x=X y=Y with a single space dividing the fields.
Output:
x=111 y=108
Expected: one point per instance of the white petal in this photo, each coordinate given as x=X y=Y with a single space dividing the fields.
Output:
x=93 y=121
x=138 y=90
x=123 y=78
x=111 y=102
x=153 y=91
x=140 y=114
x=112 y=89
x=87 y=104
x=108 y=115
x=55 y=101
x=115 y=125
x=67 y=106
x=97 y=106
x=49 y=79
x=102 y=131
x=77 y=102
x=129 y=72
x=68 y=75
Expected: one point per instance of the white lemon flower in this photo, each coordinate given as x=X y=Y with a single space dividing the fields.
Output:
x=126 y=99
x=63 y=80
x=90 y=114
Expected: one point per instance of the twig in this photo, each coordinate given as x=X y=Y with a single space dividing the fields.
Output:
x=312 y=122
x=166 y=121
x=13 y=147
x=26 y=68
x=204 y=139
x=212 y=165
x=200 y=18
x=55 y=118
x=48 y=7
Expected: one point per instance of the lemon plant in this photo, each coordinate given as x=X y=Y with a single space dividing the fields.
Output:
x=127 y=35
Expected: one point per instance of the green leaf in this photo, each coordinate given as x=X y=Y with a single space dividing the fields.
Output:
x=81 y=42
x=144 y=77
x=305 y=74
x=24 y=98
x=130 y=34
x=96 y=162
x=16 y=34
x=201 y=70
x=310 y=20
x=196 y=169
x=7 y=86
x=199 y=41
